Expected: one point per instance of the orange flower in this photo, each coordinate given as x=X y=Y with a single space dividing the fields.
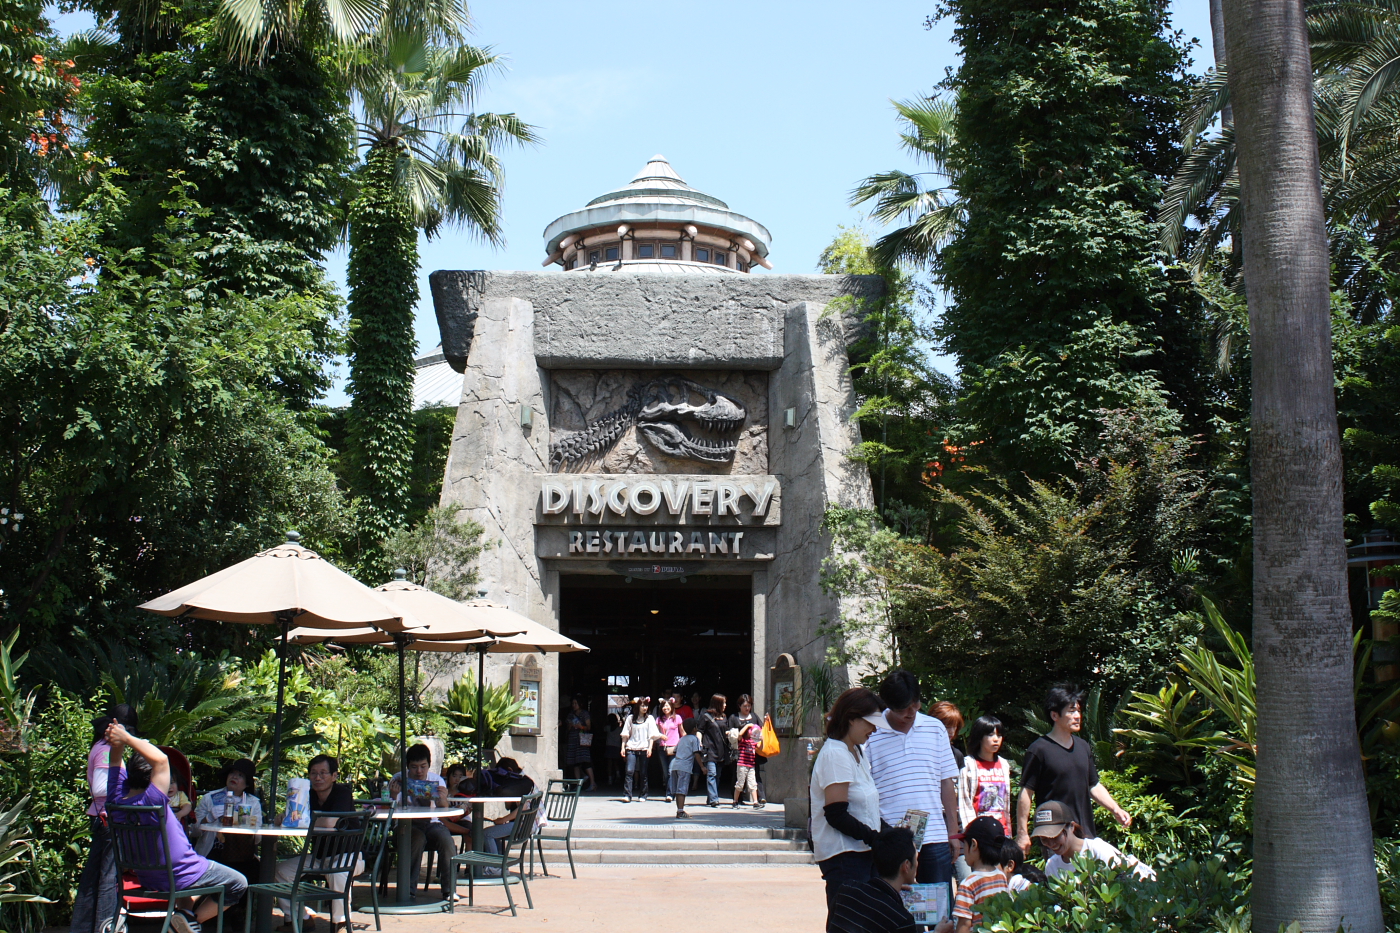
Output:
x=38 y=61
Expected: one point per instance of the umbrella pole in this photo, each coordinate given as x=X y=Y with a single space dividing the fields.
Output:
x=277 y=717
x=403 y=728
x=480 y=710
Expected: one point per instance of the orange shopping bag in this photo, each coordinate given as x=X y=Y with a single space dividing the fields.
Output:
x=768 y=744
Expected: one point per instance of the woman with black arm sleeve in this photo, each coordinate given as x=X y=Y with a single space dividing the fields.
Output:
x=845 y=803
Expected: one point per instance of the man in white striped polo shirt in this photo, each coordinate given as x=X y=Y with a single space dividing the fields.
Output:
x=914 y=770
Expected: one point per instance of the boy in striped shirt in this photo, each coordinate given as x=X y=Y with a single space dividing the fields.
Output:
x=982 y=842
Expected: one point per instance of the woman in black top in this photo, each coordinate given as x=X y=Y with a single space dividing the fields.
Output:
x=746 y=715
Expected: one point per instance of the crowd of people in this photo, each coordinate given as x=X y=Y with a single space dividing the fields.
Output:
x=125 y=770
x=680 y=749
x=887 y=768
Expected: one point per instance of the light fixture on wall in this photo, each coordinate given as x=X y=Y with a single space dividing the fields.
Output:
x=655 y=611
x=789 y=417
x=527 y=415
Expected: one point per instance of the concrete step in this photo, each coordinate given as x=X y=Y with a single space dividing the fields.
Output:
x=678 y=857
x=670 y=830
x=689 y=845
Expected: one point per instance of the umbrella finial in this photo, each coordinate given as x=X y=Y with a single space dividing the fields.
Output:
x=294 y=537
x=400 y=575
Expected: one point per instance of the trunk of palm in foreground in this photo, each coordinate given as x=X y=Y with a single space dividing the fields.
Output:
x=1313 y=859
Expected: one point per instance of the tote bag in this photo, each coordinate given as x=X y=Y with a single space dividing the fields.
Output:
x=768 y=742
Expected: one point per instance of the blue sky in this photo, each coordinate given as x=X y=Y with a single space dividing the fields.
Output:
x=777 y=108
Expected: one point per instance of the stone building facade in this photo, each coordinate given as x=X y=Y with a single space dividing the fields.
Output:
x=650 y=439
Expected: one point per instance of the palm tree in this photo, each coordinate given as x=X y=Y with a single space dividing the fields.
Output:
x=255 y=27
x=428 y=162
x=1355 y=51
x=1310 y=783
x=932 y=215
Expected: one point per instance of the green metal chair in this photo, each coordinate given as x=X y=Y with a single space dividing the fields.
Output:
x=518 y=841
x=144 y=847
x=377 y=835
x=560 y=804
x=326 y=852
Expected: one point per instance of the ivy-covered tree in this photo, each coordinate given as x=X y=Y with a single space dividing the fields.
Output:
x=427 y=163
x=1064 y=131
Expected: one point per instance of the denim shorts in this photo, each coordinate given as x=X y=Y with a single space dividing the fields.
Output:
x=680 y=782
x=234 y=884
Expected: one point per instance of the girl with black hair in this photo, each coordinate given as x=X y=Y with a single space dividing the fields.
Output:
x=984 y=783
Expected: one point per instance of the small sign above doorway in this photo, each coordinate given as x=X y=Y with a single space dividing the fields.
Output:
x=659 y=570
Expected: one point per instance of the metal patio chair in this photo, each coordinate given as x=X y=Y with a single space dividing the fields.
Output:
x=518 y=841
x=144 y=847
x=326 y=852
x=560 y=804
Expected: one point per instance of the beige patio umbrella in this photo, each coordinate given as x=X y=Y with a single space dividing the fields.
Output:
x=282 y=585
x=438 y=620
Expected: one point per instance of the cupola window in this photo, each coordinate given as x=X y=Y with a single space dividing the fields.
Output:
x=702 y=255
x=646 y=251
x=611 y=253
x=668 y=251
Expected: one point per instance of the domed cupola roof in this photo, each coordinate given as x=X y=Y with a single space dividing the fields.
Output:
x=656 y=200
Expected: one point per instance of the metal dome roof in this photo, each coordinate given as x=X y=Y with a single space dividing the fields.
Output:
x=657 y=194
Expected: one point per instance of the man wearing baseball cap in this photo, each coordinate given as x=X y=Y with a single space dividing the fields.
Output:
x=1059 y=833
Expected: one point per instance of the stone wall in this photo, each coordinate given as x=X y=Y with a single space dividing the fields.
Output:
x=566 y=348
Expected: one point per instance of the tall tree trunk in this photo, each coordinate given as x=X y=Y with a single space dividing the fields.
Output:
x=1313 y=858
x=1217 y=45
x=383 y=279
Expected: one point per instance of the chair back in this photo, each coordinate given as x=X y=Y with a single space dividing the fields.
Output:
x=140 y=846
x=526 y=813
x=334 y=850
x=561 y=799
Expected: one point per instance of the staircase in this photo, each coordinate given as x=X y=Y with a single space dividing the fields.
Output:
x=682 y=845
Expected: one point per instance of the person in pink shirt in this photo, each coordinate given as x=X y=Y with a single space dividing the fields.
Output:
x=672 y=728
x=96 y=899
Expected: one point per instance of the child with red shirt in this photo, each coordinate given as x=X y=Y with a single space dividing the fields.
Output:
x=744 y=772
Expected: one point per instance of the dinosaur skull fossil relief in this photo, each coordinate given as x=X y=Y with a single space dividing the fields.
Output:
x=666 y=416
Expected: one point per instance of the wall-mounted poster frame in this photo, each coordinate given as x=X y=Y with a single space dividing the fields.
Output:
x=526 y=678
x=785 y=691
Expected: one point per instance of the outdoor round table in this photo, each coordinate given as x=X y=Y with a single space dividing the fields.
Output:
x=404 y=900
x=267 y=860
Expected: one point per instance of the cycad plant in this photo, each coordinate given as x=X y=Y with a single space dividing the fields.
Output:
x=501 y=707
x=930 y=214
x=428 y=162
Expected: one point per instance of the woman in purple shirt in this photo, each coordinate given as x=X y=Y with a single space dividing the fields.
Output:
x=144 y=786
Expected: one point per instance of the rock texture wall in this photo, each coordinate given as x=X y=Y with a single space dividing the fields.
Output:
x=566 y=347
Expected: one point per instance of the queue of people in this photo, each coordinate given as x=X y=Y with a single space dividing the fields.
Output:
x=641 y=744
x=885 y=766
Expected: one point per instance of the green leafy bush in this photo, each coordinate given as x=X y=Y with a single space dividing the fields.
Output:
x=1210 y=895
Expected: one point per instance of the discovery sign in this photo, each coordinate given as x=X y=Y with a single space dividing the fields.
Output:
x=658 y=499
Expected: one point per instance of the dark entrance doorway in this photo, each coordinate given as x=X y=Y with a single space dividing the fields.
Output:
x=651 y=637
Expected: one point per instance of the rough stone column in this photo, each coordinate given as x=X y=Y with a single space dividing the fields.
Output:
x=811 y=458
x=490 y=470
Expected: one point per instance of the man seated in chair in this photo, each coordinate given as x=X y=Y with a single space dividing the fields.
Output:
x=327 y=796
x=424 y=788
x=147 y=777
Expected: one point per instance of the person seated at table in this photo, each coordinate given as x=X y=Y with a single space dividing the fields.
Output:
x=327 y=796
x=146 y=784
x=508 y=780
x=459 y=785
x=239 y=852
x=427 y=789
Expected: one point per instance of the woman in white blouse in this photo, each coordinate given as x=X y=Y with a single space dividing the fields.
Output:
x=639 y=732
x=845 y=803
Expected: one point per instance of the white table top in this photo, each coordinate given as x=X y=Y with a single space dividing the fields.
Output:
x=265 y=830
x=484 y=799
x=424 y=813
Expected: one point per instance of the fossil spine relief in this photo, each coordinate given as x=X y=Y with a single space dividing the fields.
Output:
x=664 y=415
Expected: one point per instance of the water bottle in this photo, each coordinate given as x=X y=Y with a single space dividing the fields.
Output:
x=384 y=790
x=811 y=751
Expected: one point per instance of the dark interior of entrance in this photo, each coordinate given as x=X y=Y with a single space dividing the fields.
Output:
x=651 y=637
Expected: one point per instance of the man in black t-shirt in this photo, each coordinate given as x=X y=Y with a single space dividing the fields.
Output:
x=1060 y=766
x=327 y=796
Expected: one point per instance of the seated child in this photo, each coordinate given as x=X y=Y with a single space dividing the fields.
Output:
x=982 y=843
